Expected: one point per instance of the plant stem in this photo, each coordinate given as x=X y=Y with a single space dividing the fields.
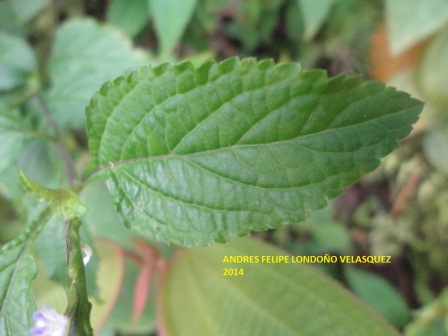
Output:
x=78 y=308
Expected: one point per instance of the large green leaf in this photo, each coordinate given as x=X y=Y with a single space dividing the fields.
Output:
x=269 y=299
x=409 y=21
x=170 y=19
x=193 y=156
x=17 y=269
x=75 y=75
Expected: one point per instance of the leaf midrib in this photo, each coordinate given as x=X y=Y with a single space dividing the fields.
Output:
x=170 y=155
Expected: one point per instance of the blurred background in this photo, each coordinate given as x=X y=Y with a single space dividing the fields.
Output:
x=400 y=209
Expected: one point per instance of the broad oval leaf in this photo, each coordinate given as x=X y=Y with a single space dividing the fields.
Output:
x=193 y=156
x=269 y=299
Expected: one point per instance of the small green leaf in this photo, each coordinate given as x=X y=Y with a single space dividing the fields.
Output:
x=314 y=14
x=193 y=156
x=269 y=299
x=75 y=76
x=64 y=200
x=409 y=21
x=14 y=14
x=170 y=19
x=16 y=62
x=379 y=294
x=129 y=16
x=17 y=269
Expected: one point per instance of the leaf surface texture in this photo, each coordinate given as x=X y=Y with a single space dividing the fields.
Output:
x=193 y=156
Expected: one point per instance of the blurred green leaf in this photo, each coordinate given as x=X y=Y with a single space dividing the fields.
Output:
x=170 y=20
x=379 y=294
x=120 y=319
x=51 y=249
x=193 y=156
x=255 y=22
x=435 y=145
x=129 y=16
x=17 y=269
x=314 y=14
x=269 y=299
x=102 y=219
x=432 y=74
x=14 y=132
x=75 y=75
x=16 y=62
x=325 y=235
x=14 y=14
x=109 y=278
x=40 y=160
x=432 y=319
x=409 y=21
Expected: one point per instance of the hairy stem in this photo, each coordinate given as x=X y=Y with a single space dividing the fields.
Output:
x=78 y=308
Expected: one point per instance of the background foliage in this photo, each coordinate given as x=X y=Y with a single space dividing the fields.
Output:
x=46 y=82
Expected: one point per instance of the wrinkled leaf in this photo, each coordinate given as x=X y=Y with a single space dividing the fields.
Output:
x=75 y=75
x=193 y=156
x=269 y=299
x=170 y=19
x=17 y=269
x=314 y=14
x=409 y=21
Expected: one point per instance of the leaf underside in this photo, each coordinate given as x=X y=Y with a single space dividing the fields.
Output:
x=193 y=156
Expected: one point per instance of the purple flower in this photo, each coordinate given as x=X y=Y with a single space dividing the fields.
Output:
x=47 y=322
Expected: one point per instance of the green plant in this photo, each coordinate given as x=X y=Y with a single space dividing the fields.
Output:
x=191 y=155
